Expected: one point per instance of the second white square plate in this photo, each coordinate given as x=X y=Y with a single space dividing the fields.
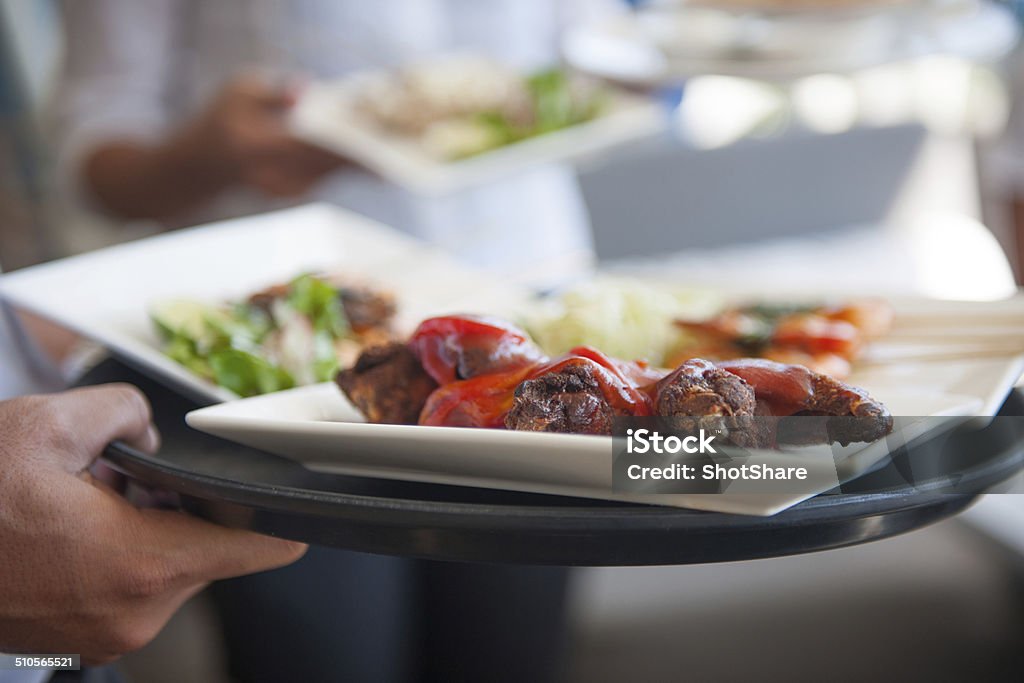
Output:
x=106 y=295
x=325 y=115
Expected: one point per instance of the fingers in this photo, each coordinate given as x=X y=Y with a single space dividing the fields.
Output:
x=280 y=183
x=259 y=89
x=200 y=551
x=86 y=420
x=290 y=168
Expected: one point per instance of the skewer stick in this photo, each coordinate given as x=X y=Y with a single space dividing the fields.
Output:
x=940 y=356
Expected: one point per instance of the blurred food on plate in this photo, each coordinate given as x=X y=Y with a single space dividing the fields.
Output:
x=666 y=326
x=456 y=107
x=626 y=318
x=792 y=5
x=287 y=335
x=825 y=338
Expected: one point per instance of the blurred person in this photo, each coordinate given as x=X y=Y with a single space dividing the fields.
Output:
x=176 y=111
x=82 y=570
x=1003 y=166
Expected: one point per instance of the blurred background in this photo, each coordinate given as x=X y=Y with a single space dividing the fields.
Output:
x=891 y=139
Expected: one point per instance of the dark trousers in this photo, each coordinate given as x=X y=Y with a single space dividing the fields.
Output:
x=341 y=616
x=104 y=674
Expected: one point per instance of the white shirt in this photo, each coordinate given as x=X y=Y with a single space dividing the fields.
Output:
x=15 y=379
x=138 y=68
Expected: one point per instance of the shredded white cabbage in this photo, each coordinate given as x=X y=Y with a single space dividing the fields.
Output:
x=624 y=318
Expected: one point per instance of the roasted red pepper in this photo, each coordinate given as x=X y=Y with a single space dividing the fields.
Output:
x=480 y=361
x=481 y=401
x=783 y=389
x=453 y=348
x=818 y=334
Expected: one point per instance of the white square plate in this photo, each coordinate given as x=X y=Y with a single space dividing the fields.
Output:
x=106 y=295
x=318 y=427
x=325 y=116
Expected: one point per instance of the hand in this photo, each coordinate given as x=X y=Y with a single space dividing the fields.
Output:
x=240 y=139
x=81 y=569
x=243 y=131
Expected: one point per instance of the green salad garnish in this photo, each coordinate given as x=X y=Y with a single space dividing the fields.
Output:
x=554 y=102
x=258 y=346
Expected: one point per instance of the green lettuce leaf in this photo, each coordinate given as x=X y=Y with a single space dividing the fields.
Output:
x=321 y=302
x=247 y=374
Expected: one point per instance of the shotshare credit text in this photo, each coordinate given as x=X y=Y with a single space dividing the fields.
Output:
x=642 y=441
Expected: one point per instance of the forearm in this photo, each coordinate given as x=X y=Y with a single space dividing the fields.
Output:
x=132 y=180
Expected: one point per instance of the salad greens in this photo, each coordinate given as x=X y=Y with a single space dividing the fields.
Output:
x=253 y=348
x=319 y=301
x=555 y=102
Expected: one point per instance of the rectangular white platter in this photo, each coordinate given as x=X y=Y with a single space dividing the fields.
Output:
x=325 y=115
x=106 y=295
x=318 y=427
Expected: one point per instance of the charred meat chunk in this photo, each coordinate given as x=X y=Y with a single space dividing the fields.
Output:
x=264 y=299
x=853 y=416
x=387 y=384
x=793 y=390
x=569 y=400
x=697 y=395
x=697 y=387
x=367 y=309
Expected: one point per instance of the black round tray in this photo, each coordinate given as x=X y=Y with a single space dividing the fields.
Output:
x=242 y=487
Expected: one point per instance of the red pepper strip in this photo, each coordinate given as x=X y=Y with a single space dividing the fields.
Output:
x=818 y=334
x=482 y=401
x=453 y=348
x=784 y=389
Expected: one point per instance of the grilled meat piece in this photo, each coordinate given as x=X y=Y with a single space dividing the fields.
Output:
x=569 y=400
x=367 y=309
x=468 y=371
x=697 y=387
x=793 y=390
x=387 y=384
x=265 y=298
x=697 y=395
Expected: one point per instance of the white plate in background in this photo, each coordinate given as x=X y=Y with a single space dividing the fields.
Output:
x=106 y=295
x=325 y=115
x=668 y=45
